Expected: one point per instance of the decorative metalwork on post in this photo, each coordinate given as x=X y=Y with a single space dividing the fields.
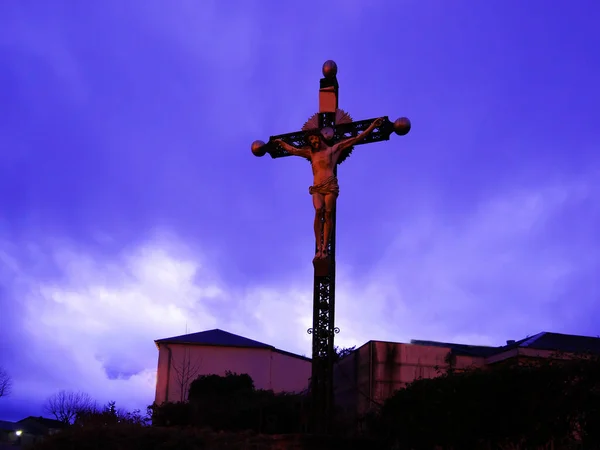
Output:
x=326 y=140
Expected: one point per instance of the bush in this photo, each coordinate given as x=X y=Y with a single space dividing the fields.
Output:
x=528 y=405
x=109 y=415
x=171 y=414
x=174 y=438
x=231 y=403
x=124 y=437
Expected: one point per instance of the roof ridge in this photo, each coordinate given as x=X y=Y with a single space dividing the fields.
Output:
x=221 y=338
x=215 y=336
x=571 y=335
x=530 y=340
x=416 y=341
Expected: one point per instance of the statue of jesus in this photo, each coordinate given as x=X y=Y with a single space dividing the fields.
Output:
x=325 y=189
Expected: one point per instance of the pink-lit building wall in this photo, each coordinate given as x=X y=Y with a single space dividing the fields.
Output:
x=270 y=369
x=372 y=373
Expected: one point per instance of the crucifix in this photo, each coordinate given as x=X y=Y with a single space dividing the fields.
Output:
x=326 y=140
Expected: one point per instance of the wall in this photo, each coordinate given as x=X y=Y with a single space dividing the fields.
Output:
x=523 y=354
x=269 y=370
x=395 y=365
x=288 y=373
x=345 y=374
x=372 y=373
x=376 y=370
x=8 y=436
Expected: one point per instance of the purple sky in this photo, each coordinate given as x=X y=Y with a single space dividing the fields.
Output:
x=131 y=205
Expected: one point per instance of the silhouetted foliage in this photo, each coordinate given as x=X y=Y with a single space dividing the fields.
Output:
x=341 y=352
x=189 y=438
x=216 y=386
x=171 y=414
x=5 y=383
x=66 y=405
x=528 y=405
x=125 y=437
x=231 y=403
x=109 y=415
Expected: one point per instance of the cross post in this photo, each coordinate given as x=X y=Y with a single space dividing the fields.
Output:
x=335 y=126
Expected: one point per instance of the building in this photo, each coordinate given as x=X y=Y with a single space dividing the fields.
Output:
x=182 y=359
x=27 y=432
x=9 y=434
x=372 y=373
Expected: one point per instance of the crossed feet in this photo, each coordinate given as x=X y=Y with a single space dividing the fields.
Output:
x=321 y=254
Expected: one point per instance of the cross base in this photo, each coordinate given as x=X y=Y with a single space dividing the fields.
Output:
x=322 y=266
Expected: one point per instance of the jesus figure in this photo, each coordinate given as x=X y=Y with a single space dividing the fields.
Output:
x=325 y=189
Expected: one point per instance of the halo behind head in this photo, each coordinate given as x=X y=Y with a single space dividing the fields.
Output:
x=313 y=132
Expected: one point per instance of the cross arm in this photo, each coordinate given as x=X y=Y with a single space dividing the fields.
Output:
x=342 y=131
x=295 y=139
x=349 y=130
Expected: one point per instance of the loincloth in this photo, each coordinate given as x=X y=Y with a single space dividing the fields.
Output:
x=329 y=186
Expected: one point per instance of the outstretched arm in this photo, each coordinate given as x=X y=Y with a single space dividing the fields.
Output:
x=356 y=139
x=292 y=150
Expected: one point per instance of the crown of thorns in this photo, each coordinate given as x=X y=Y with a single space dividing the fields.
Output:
x=314 y=132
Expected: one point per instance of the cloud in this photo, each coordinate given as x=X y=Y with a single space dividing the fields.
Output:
x=498 y=272
x=480 y=280
x=92 y=327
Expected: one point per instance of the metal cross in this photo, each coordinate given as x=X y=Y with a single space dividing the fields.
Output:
x=335 y=126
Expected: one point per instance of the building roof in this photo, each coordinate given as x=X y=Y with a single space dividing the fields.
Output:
x=41 y=422
x=8 y=426
x=214 y=337
x=460 y=349
x=569 y=343
x=220 y=338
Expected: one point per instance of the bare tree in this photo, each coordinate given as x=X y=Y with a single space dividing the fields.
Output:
x=66 y=405
x=5 y=383
x=186 y=371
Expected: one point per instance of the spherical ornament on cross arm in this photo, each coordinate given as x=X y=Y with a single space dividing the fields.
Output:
x=258 y=148
x=327 y=133
x=329 y=69
x=401 y=126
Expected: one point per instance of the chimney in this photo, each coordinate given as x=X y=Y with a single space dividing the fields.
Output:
x=510 y=342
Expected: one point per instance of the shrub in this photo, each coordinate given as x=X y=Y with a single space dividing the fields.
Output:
x=529 y=405
x=124 y=437
x=231 y=403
